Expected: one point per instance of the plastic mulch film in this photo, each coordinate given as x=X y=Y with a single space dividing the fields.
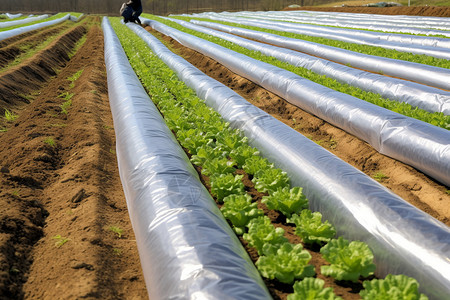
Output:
x=404 y=239
x=363 y=39
x=187 y=249
x=374 y=19
x=13 y=32
x=76 y=19
x=360 y=35
x=13 y=16
x=22 y=21
x=415 y=25
x=430 y=75
x=411 y=141
x=422 y=96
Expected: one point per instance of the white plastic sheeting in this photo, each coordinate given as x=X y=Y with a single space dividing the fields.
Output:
x=187 y=249
x=13 y=32
x=354 y=37
x=404 y=239
x=414 y=25
x=433 y=76
x=422 y=96
x=424 y=21
x=75 y=19
x=419 y=144
x=22 y=21
x=357 y=36
x=13 y=16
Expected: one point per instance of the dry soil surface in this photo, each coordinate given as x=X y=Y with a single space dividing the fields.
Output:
x=64 y=226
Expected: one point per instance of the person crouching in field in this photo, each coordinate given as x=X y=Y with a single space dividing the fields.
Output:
x=131 y=11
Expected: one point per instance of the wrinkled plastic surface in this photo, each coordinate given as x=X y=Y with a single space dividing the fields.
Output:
x=410 y=24
x=13 y=32
x=75 y=19
x=422 y=96
x=13 y=16
x=430 y=75
x=22 y=21
x=409 y=39
x=353 y=37
x=404 y=239
x=187 y=249
x=411 y=141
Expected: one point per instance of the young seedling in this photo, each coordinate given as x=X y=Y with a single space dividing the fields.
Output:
x=66 y=105
x=117 y=230
x=117 y=251
x=74 y=77
x=10 y=116
x=379 y=176
x=60 y=240
x=50 y=141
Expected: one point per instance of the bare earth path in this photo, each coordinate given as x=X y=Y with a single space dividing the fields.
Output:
x=64 y=226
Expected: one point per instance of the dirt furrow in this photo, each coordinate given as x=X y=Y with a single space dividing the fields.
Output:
x=71 y=236
x=11 y=50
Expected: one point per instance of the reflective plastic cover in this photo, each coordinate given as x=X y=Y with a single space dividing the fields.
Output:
x=430 y=75
x=13 y=32
x=411 y=141
x=187 y=249
x=404 y=239
x=353 y=37
x=422 y=96
x=405 y=24
x=22 y=21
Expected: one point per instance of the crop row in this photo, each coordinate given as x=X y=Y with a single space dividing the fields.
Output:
x=437 y=119
x=221 y=151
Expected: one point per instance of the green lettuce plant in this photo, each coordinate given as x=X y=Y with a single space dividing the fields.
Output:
x=239 y=210
x=399 y=287
x=254 y=164
x=311 y=229
x=269 y=180
x=312 y=289
x=349 y=260
x=285 y=263
x=261 y=231
x=226 y=184
x=287 y=201
x=242 y=153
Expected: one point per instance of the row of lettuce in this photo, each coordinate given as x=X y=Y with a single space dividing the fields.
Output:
x=220 y=151
x=437 y=118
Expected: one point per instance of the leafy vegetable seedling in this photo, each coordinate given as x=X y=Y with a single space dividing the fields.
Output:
x=312 y=289
x=348 y=260
x=399 y=287
x=286 y=263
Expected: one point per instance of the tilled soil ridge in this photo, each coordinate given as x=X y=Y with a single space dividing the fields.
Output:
x=21 y=80
x=65 y=232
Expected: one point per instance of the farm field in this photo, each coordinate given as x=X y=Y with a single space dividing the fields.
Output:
x=66 y=214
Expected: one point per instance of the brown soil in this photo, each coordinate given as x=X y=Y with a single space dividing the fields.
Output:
x=59 y=200
x=430 y=11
